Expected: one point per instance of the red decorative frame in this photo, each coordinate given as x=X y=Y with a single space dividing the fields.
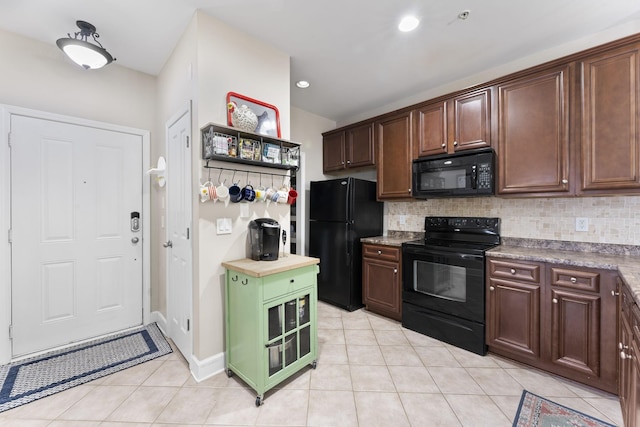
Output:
x=269 y=126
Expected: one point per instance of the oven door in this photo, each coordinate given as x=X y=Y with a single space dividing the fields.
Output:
x=449 y=281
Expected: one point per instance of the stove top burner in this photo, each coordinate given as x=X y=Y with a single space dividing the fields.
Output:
x=472 y=233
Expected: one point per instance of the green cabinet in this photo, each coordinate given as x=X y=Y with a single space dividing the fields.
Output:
x=271 y=321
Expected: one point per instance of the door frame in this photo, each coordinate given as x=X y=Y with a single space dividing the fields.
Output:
x=184 y=110
x=6 y=111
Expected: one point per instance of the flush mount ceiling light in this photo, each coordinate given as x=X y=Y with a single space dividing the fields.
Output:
x=408 y=23
x=303 y=84
x=84 y=53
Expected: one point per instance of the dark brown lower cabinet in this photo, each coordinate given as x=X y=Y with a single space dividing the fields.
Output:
x=557 y=318
x=381 y=280
x=629 y=351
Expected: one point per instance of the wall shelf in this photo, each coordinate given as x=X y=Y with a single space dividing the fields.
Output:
x=228 y=144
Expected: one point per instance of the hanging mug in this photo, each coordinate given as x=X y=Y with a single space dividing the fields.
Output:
x=222 y=192
x=293 y=195
x=235 y=193
x=261 y=194
x=248 y=193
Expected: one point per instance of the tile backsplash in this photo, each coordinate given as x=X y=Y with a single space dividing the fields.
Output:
x=611 y=219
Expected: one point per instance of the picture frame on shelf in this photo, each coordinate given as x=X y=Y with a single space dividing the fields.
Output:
x=268 y=115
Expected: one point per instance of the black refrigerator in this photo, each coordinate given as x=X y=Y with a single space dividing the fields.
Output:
x=341 y=212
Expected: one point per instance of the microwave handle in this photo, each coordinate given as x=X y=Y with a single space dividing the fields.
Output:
x=474 y=177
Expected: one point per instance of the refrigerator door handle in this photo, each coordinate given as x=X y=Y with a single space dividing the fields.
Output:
x=346 y=239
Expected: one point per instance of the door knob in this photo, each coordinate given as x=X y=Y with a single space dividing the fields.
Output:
x=168 y=244
x=134 y=240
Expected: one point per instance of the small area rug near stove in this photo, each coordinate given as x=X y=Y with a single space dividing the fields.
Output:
x=31 y=379
x=536 y=411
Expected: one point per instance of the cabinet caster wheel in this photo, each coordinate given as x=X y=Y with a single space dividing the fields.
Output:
x=229 y=373
x=314 y=364
x=259 y=401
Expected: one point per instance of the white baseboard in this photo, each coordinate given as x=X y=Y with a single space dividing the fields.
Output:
x=159 y=318
x=203 y=369
x=200 y=369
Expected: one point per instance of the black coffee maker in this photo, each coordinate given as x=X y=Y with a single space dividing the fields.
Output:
x=264 y=239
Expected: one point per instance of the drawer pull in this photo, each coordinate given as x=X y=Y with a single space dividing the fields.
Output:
x=245 y=282
x=614 y=293
x=379 y=252
x=491 y=288
x=573 y=280
x=513 y=271
x=235 y=278
x=555 y=300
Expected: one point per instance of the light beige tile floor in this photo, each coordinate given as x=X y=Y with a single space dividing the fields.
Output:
x=371 y=372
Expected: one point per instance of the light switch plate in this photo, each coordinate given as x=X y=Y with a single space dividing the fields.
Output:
x=224 y=226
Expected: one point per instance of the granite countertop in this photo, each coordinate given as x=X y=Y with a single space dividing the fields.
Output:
x=622 y=258
x=393 y=238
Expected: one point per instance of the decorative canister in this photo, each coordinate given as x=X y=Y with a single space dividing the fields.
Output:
x=242 y=117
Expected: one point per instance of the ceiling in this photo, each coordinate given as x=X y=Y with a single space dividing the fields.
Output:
x=350 y=50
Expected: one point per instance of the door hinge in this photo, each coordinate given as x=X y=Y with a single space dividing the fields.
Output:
x=187 y=138
x=10 y=332
x=187 y=233
x=9 y=236
x=188 y=325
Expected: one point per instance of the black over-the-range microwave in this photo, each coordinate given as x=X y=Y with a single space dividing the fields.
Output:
x=465 y=174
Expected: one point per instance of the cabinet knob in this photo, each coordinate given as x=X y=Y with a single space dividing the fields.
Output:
x=565 y=181
x=624 y=355
x=379 y=252
x=614 y=293
x=513 y=271
x=555 y=300
x=348 y=162
x=622 y=346
x=444 y=145
x=573 y=280
x=455 y=143
x=409 y=190
x=395 y=271
x=491 y=288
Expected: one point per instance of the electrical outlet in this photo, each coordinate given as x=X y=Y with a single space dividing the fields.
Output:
x=402 y=219
x=582 y=224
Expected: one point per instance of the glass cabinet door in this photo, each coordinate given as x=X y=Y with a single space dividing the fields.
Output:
x=289 y=332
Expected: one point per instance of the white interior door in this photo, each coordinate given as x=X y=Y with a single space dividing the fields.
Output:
x=76 y=262
x=179 y=255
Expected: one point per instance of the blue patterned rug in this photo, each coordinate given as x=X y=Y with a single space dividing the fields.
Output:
x=31 y=379
x=536 y=411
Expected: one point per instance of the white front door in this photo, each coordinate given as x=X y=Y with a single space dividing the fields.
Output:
x=179 y=196
x=76 y=260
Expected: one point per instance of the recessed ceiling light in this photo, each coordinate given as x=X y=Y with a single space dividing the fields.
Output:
x=303 y=84
x=408 y=23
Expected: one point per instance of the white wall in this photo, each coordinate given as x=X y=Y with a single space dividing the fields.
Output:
x=556 y=52
x=230 y=61
x=37 y=75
